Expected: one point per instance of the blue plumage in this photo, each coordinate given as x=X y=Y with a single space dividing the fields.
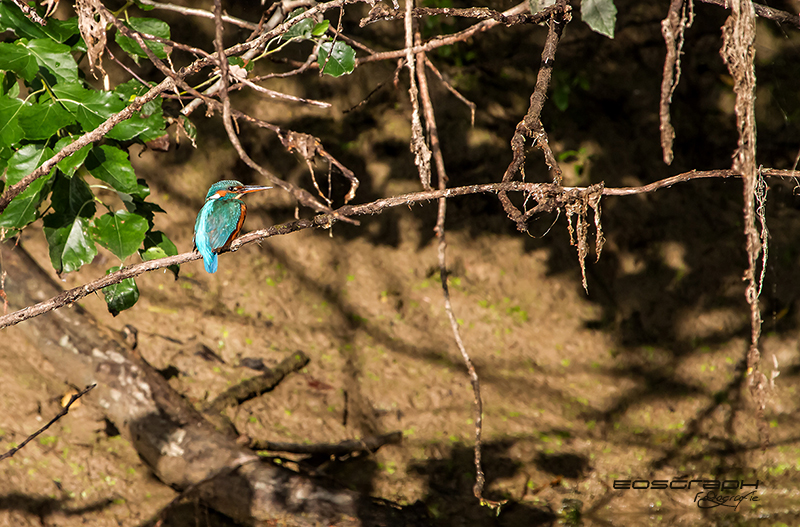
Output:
x=220 y=220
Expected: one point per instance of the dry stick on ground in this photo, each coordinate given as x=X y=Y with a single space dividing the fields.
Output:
x=554 y=195
x=531 y=125
x=52 y=421
x=738 y=52
x=433 y=134
x=344 y=448
x=258 y=385
x=672 y=28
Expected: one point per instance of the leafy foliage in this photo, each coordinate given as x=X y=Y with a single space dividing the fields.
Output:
x=60 y=107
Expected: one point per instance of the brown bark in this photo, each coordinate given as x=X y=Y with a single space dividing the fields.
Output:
x=182 y=448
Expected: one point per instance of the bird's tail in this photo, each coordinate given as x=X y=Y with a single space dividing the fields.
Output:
x=210 y=262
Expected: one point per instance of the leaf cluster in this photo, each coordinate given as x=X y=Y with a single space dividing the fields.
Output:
x=46 y=104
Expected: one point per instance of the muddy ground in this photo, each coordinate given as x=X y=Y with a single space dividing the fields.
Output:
x=639 y=379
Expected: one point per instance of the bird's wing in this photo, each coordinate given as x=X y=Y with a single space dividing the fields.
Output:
x=224 y=222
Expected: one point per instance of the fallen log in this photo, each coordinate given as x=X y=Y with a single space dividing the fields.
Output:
x=182 y=448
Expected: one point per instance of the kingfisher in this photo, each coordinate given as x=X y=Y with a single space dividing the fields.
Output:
x=221 y=219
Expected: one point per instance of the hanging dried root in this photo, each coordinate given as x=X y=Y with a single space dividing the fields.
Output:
x=578 y=204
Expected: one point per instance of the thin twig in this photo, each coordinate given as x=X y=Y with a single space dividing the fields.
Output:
x=52 y=421
x=381 y=12
x=199 y=13
x=30 y=12
x=471 y=105
x=433 y=135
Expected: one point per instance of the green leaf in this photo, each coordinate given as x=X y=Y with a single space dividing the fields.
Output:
x=17 y=58
x=71 y=197
x=153 y=253
x=70 y=164
x=143 y=6
x=121 y=296
x=43 y=120
x=342 y=61
x=301 y=30
x=92 y=107
x=120 y=232
x=110 y=164
x=150 y=26
x=321 y=28
x=89 y=107
x=54 y=57
x=146 y=124
x=23 y=209
x=70 y=245
x=157 y=245
x=10 y=86
x=67 y=227
x=601 y=15
x=10 y=129
x=12 y=19
x=159 y=240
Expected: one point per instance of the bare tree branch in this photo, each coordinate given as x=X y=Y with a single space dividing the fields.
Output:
x=461 y=36
x=547 y=192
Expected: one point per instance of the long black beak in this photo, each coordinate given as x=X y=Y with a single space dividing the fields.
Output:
x=247 y=189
